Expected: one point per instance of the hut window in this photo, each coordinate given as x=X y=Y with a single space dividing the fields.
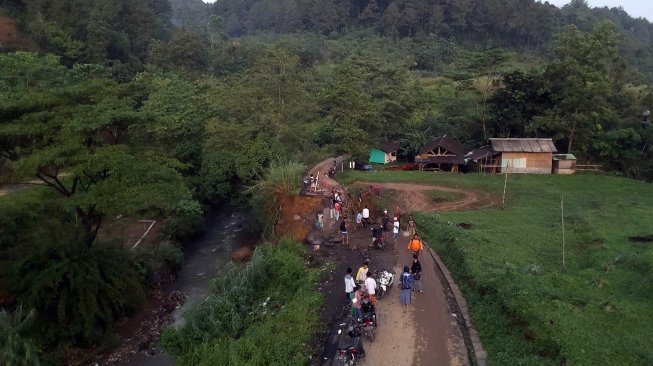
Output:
x=513 y=163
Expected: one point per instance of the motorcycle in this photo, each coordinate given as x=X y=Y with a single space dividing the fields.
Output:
x=368 y=320
x=378 y=241
x=350 y=344
x=385 y=281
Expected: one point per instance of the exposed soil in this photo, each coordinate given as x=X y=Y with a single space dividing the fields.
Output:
x=465 y=225
x=590 y=244
x=298 y=215
x=411 y=197
x=129 y=231
x=12 y=38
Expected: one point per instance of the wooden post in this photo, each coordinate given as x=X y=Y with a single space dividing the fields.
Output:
x=562 y=220
x=505 y=185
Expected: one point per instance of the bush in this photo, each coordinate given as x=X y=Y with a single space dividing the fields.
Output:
x=15 y=347
x=279 y=180
x=77 y=290
x=249 y=310
x=187 y=219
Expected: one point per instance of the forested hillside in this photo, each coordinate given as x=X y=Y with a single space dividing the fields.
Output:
x=119 y=112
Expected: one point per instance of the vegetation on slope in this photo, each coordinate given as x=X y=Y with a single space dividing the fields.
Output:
x=249 y=310
x=121 y=113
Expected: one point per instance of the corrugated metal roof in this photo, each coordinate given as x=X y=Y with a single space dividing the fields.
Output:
x=564 y=157
x=523 y=145
x=481 y=153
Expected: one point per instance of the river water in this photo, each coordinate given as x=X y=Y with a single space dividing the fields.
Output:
x=226 y=230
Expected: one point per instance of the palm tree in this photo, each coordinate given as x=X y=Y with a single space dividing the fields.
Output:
x=413 y=142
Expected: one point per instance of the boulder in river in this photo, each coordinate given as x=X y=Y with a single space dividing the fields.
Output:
x=242 y=255
x=314 y=238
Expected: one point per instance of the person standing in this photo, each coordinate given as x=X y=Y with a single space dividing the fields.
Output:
x=406 y=284
x=356 y=302
x=343 y=231
x=370 y=285
x=416 y=270
x=398 y=214
x=350 y=284
x=360 y=195
x=332 y=210
x=415 y=245
x=361 y=275
x=386 y=221
x=337 y=207
x=366 y=216
x=395 y=231
x=359 y=220
x=320 y=221
x=412 y=227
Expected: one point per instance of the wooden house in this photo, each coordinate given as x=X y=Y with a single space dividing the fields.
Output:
x=484 y=160
x=528 y=155
x=564 y=164
x=385 y=153
x=443 y=153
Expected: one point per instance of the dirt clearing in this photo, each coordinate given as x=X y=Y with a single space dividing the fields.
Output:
x=412 y=197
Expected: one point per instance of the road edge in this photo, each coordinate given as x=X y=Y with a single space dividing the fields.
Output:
x=480 y=355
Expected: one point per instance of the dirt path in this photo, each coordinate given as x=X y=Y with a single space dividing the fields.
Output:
x=322 y=168
x=425 y=333
x=428 y=331
x=412 y=197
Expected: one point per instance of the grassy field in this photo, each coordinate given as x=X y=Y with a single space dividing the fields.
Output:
x=529 y=310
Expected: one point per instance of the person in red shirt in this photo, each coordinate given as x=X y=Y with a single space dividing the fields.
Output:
x=337 y=206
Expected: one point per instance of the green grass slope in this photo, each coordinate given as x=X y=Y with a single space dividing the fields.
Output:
x=527 y=308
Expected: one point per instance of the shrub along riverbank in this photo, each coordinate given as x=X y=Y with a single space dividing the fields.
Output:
x=530 y=310
x=250 y=309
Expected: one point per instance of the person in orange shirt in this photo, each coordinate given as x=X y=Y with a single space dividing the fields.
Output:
x=415 y=245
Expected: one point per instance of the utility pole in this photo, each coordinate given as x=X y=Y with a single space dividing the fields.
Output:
x=562 y=220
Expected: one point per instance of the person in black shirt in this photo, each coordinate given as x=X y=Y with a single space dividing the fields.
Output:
x=343 y=231
x=416 y=270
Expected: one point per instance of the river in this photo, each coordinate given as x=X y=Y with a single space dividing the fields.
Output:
x=226 y=230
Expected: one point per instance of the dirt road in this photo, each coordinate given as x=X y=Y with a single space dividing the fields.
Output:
x=428 y=331
x=425 y=333
x=412 y=197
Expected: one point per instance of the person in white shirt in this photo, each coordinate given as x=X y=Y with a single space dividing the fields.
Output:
x=359 y=220
x=370 y=285
x=366 y=216
x=395 y=231
x=350 y=284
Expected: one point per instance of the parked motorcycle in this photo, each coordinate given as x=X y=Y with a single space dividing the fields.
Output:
x=368 y=320
x=350 y=344
x=385 y=280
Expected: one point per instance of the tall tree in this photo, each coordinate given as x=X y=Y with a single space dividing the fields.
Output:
x=579 y=79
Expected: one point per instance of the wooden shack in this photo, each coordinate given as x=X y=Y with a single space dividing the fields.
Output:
x=564 y=164
x=512 y=155
x=442 y=154
x=484 y=160
x=533 y=156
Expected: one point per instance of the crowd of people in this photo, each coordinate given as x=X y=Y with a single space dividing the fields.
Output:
x=363 y=284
